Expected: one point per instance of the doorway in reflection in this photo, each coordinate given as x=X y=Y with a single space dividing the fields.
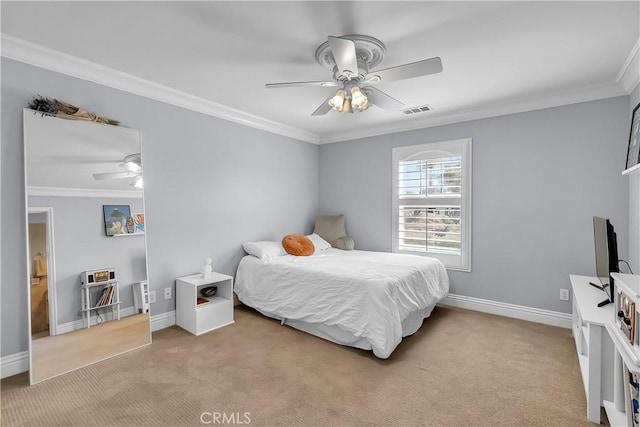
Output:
x=39 y=250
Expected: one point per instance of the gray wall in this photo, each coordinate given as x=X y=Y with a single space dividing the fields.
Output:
x=210 y=185
x=538 y=179
x=81 y=244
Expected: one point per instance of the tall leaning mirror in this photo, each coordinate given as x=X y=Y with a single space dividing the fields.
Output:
x=87 y=276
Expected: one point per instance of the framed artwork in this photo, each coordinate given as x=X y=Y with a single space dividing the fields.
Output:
x=138 y=220
x=627 y=308
x=117 y=218
x=633 y=152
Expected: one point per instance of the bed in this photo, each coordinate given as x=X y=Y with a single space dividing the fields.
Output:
x=368 y=300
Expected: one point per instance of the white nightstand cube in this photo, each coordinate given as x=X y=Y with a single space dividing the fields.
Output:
x=214 y=312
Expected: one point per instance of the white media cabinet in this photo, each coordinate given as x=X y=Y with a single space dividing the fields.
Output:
x=627 y=354
x=594 y=346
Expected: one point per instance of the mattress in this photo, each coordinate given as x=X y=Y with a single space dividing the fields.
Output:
x=362 y=297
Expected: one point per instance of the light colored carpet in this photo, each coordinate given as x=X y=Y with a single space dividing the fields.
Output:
x=462 y=368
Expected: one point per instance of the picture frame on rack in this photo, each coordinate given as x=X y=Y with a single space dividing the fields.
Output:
x=116 y=218
x=627 y=307
x=138 y=220
x=633 y=152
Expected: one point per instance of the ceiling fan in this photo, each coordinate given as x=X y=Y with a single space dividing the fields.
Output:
x=133 y=169
x=351 y=58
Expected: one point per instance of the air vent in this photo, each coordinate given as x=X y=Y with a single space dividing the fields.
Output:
x=414 y=110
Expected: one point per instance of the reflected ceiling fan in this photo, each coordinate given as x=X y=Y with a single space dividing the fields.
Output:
x=133 y=169
x=350 y=58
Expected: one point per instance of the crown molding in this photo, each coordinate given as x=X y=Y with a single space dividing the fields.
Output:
x=629 y=75
x=82 y=192
x=503 y=108
x=53 y=60
x=37 y=55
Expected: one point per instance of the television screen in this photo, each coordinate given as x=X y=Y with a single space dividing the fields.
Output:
x=606 y=247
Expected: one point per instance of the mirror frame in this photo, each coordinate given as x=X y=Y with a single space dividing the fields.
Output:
x=51 y=267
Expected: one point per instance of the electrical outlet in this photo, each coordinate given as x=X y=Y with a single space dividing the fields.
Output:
x=152 y=297
x=167 y=293
x=564 y=294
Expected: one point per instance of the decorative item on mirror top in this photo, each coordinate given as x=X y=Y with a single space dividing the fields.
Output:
x=64 y=110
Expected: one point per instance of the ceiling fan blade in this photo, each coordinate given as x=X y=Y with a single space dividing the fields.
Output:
x=323 y=108
x=382 y=100
x=344 y=53
x=296 y=84
x=407 y=71
x=113 y=175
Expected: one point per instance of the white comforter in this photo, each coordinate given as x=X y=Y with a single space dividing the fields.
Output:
x=365 y=293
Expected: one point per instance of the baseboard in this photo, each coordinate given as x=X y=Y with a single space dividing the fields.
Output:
x=14 y=364
x=163 y=320
x=63 y=328
x=538 y=315
x=19 y=362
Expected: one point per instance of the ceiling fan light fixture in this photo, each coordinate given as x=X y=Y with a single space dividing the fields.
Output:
x=346 y=106
x=358 y=99
x=338 y=101
x=350 y=58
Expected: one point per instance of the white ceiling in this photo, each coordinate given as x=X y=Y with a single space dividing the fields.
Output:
x=498 y=57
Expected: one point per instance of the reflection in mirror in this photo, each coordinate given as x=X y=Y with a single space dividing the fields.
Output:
x=73 y=170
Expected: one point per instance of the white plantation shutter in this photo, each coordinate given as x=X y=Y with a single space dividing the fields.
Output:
x=430 y=229
x=431 y=201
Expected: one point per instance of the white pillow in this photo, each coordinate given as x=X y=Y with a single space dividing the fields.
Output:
x=319 y=242
x=264 y=249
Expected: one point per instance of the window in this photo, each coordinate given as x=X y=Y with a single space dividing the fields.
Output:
x=432 y=201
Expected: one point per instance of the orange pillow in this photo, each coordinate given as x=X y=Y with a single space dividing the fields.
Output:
x=297 y=244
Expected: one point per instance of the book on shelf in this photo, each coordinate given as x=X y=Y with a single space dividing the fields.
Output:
x=109 y=299
x=631 y=382
x=106 y=296
x=101 y=297
x=202 y=301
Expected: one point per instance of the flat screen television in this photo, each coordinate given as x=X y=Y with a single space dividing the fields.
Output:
x=606 y=246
